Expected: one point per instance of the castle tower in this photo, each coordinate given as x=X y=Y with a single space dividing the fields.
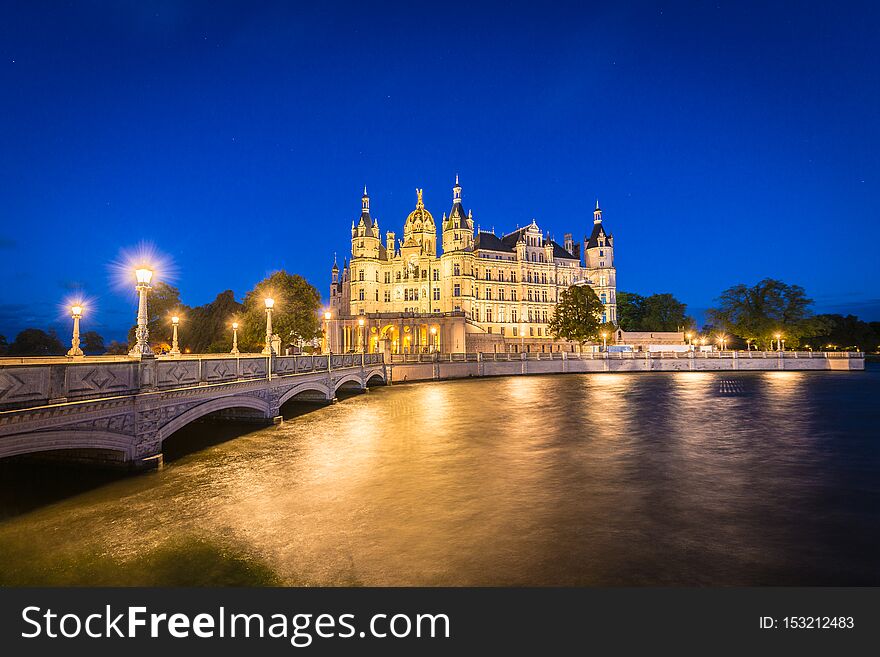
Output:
x=599 y=262
x=458 y=228
x=365 y=232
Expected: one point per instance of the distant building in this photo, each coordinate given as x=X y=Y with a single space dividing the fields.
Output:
x=484 y=292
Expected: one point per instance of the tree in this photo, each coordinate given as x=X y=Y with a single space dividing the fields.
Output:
x=116 y=348
x=842 y=333
x=577 y=315
x=208 y=328
x=658 y=312
x=295 y=315
x=36 y=342
x=758 y=313
x=92 y=343
x=663 y=312
x=630 y=311
x=163 y=301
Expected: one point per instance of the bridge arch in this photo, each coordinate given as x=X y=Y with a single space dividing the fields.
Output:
x=349 y=378
x=212 y=406
x=308 y=386
x=48 y=441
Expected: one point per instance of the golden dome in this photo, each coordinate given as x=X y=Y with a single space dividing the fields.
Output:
x=419 y=219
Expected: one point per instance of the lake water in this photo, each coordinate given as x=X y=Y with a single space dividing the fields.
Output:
x=685 y=478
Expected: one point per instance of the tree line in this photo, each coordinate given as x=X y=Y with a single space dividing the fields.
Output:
x=748 y=316
x=202 y=329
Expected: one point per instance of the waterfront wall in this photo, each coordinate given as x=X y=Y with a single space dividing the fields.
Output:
x=458 y=366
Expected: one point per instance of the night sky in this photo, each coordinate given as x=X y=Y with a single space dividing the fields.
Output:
x=726 y=141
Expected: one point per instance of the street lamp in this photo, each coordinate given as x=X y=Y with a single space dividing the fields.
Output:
x=327 y=317
x=76 y=312
x=722 y=340
x=235 y=339
x=778 y=337
x=689 y=337
x=142 y=348
x=361 y=335
x=175 y=350
x=433 y=338
x=604 y=341
x=270 y=304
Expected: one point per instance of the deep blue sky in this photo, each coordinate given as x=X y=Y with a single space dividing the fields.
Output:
x=726 y=141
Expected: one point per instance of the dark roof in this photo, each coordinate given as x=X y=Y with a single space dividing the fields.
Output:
x=559 y=252
x=594 y=236
x=507 y=244
x=491 y=242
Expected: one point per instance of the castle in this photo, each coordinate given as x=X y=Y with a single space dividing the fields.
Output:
x=483 y=293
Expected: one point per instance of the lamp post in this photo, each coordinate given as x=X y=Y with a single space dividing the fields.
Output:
x=433 y=339
x=270 y=304
x=361 y=335
x=604 y=341
x=778 y=337
x=327 y=317
x=175 y=350
x=142 y=348
x=690 y=339
x=75 y=312
x=235 y=339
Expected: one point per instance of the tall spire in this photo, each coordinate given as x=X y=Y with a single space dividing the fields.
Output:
x=365 y=202
x=456 y=192
x=597 y=214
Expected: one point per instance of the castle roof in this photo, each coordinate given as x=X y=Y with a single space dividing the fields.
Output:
x=598 y=231
x=507 y=244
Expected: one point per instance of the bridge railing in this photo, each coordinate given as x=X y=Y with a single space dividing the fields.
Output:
x=26 y=383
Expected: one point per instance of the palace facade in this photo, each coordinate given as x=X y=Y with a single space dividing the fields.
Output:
x=482 y=292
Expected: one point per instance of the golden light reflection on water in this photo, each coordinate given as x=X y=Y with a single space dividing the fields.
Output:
x=581 y=479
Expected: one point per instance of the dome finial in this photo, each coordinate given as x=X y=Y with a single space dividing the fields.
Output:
x=365 y=190
x=419 y=202
x=597 y=214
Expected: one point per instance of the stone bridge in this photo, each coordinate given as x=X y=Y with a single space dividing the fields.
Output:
x=121 y=410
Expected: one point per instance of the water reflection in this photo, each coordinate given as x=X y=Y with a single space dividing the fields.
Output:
x=653 y=478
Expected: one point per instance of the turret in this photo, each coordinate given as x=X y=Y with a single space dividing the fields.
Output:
x=389 y=244
x=365 y=232
x=458 y=228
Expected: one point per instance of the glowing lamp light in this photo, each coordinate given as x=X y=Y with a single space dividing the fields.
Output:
x=270 y=303
x=144 y=275
x=175 y=320
x=76 y=311
x=235 y=325
x=361 y=321
x=327 y=315
x=433 y=330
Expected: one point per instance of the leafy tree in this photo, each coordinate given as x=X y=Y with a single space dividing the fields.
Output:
x=578 y=315
x=209 y=328
x=116 y=348
x=92 y=343
x=294 y=317
x=663 y=312
x=630 y=310
x=162 y=302
x=36 y=342
x=843 y=333
x=658 y=312
x=757 y=313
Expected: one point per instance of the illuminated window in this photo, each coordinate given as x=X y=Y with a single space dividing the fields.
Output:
x=456 y=290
